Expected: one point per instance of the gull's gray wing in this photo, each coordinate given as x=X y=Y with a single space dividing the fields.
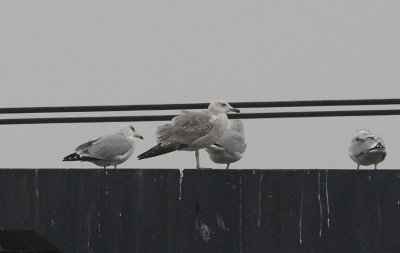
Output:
x=185 y=128
x=83 y=147
x=106 y=147
x=232 y=142
x=364 y=143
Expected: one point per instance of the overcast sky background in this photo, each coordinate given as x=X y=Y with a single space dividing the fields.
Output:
x=71 y=53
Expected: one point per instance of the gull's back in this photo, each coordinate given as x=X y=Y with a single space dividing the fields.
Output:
x=107 y=147
x=186 y=128
x=232 y=142
x=230 y=147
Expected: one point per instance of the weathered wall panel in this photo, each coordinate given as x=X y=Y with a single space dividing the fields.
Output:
x=209 y=211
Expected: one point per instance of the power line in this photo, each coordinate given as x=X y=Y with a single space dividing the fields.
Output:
x=110 y=108
x=169 y=117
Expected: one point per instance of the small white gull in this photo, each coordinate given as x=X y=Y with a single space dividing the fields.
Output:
x=367 y=148
x=108 y=150
x=230 y=147
x=192 y=131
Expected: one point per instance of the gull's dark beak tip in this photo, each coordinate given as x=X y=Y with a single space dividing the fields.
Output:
x=236 y=110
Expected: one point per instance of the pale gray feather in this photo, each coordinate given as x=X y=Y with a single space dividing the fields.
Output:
x=185 y=128
x=364 y=142
x=106 y=147
x=230 y=147
x=232 y=142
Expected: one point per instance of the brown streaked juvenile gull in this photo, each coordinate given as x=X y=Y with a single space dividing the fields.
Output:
x=192 y=131
x=230 y=147
x=108 y=150
x=367 y=148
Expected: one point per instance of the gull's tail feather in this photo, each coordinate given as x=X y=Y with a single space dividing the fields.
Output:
x=77 y=157
x=160 y=150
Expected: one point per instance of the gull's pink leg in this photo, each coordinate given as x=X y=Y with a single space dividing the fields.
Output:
x=197 y=159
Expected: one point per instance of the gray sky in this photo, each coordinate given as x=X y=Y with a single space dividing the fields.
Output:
x=66 y=53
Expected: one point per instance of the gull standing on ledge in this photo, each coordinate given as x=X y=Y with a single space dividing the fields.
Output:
x=192 y=131
x=230 y=147
x=367 y=148
x=107 y=150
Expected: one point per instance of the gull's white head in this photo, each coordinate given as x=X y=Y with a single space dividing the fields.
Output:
x=129 y=130
x=237 y=125
x=220 y=106
x=362 y=131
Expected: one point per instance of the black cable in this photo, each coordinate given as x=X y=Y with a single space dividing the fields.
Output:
x=109 y=108
x=169 y=117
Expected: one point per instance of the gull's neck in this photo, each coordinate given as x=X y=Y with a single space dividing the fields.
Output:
x=215 y=112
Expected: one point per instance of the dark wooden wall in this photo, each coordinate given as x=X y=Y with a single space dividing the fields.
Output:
x=136 y=210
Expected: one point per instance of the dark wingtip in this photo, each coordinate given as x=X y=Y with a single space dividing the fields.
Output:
x=149 y=153
x=72 y=157
x=217 y=144
x=160 y=150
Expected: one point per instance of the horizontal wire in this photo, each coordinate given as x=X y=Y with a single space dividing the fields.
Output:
x=109 y=108
x=169 y=117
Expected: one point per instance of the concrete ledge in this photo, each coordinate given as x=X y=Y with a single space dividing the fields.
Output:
x=139 y=210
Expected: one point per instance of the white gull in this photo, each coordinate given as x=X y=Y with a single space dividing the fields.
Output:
x=230 y=147
x=367 y=148
x=108 y=150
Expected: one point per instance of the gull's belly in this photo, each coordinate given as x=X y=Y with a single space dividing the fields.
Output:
x=224 y=157
x=371 y=158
